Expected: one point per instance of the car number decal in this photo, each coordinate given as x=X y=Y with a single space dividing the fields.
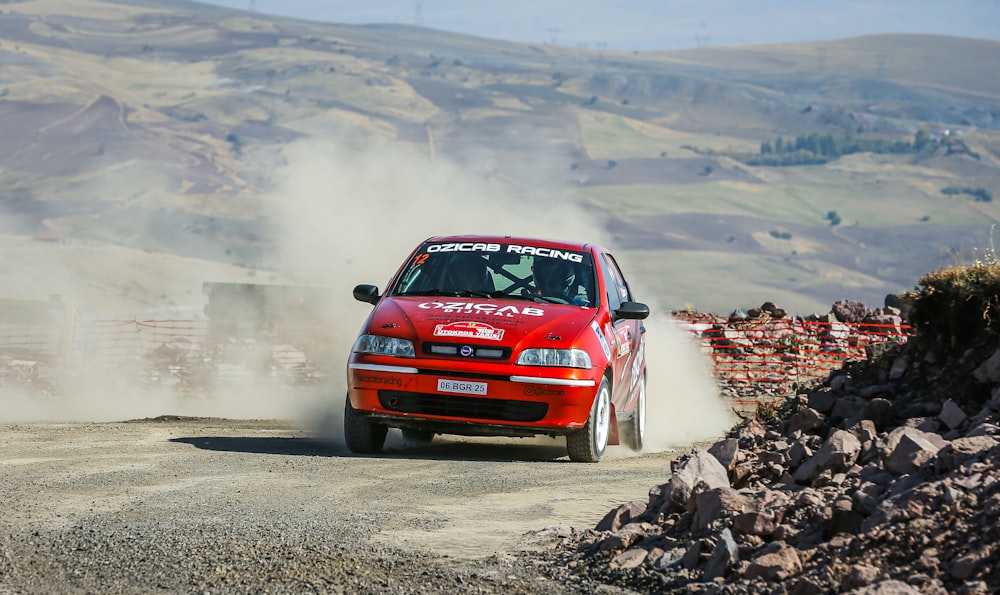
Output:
x=461 y=386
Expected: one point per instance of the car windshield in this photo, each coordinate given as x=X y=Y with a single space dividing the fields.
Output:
x=491 y=270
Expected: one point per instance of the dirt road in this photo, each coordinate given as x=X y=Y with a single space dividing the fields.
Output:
x=207 y=504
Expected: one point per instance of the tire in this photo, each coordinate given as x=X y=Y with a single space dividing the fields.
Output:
x=587 y=445
x=418 y=436
x=633 y=433
x=361 y=434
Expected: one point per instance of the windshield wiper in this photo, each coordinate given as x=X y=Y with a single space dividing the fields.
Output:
x=451 y=292
x=529 y=297
x=425 y=292
x=551 y=300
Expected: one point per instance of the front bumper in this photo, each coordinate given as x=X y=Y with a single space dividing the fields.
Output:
x=471 y=398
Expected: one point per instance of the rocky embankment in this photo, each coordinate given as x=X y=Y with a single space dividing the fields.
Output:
x=884 y=478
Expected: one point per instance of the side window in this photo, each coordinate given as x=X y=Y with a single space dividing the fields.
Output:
x=624 y=293
x=611 y=283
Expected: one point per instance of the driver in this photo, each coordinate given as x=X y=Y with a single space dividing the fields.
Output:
x=467 y=272
x=555 y=278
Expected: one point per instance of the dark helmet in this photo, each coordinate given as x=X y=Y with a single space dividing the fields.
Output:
x=467 y=271
x=553 y=275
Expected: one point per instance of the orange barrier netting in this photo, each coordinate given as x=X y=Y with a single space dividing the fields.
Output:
x=764 y=359
x=754 y=360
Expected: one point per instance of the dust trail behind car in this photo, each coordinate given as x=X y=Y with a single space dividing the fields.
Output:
x=343 y=214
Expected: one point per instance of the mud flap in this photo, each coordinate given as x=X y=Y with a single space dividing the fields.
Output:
x=613 y=439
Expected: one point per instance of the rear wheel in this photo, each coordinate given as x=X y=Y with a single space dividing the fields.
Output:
x=587 y=445
x=361 y=434
x=634 y=430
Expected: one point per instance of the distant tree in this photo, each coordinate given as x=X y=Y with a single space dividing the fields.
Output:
x=812 y=144
x=235 y=142
x=978 y=194
x=921 y=140
x=766 y=148
x=982 y=195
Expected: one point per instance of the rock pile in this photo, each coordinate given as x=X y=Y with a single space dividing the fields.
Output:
x=884 y=478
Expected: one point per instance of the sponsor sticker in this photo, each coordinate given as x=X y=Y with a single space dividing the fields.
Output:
x=464 y=247
x=640 y=355
x=544 y=252
x=600 y=337
x=469 y=330
x=461 y=386
x=543 y=391
x=482 y=309
x=508 y=248
x=361 y=377
x=624 y=343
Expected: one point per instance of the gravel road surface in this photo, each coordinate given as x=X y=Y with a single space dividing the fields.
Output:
x=211 y=505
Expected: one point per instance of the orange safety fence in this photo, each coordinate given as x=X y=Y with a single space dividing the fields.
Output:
x=767 y=359
x=755 y=361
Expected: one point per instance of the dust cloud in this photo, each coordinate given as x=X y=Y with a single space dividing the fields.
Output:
x=351 y=216
x=683 y=399
x=348 y=214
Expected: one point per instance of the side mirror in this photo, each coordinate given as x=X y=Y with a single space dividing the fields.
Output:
x=632 y=311
x=366 y=293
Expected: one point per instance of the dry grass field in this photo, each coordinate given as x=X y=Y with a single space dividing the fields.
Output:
x=176 y=130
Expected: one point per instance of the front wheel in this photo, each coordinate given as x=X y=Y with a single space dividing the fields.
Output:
x=587 y=445
x=361 y=434
x=634 y=430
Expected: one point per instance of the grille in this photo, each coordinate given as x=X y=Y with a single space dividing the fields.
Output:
x=465 y=407
x=455 y=350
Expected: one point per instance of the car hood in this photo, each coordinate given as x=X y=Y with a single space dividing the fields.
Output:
x=507 y=323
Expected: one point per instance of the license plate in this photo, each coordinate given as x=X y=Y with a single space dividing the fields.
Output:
x=461 y=386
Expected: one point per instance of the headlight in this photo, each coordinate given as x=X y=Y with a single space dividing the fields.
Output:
x=564 y=358
x=383 y=346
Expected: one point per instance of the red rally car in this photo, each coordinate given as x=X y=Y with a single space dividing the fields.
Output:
x=501 y=336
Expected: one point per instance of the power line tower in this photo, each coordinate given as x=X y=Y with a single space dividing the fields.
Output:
x=553 y=35
x=821 y=52
x=701 y=37
x=418 y=16
x=253 y=6
x=879 y=65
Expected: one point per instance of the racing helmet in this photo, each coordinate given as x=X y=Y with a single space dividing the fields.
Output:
x=553 y=276
x=467 y=271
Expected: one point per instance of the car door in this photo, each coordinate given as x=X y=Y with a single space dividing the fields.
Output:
x=625 y=334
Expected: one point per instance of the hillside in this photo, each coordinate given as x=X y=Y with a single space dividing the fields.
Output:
x=184 y=129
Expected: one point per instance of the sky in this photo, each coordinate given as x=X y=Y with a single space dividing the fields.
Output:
x=655 y=24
